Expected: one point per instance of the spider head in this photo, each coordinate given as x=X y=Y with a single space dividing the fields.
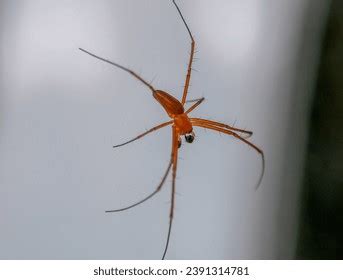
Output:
x=189 y=137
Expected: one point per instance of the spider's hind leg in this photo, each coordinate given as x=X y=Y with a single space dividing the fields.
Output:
x=197 y=101
x=189 y=69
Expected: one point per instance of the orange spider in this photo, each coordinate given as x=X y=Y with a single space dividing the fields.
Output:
x=181 y=124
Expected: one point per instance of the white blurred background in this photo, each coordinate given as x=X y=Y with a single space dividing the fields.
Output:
x=62 y=111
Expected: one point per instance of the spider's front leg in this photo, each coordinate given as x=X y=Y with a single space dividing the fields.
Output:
x=174 y=156
x=223 y=128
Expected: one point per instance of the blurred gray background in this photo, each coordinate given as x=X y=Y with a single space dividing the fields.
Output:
x=62 y=111
x=321 y=230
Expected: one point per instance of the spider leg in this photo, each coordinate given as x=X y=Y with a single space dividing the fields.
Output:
x=121 y=67
x=194 y=100
x=164 y=176
x=229 y=132
x=189 y=70
x=196 y=104
x=209 y=122
x=149 y=196
x=174 y=161
x=145 y=133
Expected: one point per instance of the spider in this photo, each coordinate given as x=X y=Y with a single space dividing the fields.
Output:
x=182 y=125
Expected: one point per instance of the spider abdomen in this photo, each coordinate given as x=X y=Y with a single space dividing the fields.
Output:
x=172 y=106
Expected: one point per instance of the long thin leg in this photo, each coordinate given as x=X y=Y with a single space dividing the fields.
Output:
x=165 y=174
x=174 y=160
x=150 y=195
x=194 y=100
x=189 y=70
x=216 y=128
x=209 y=122
x=145 y=133
x=121 y=67
x=196 y=104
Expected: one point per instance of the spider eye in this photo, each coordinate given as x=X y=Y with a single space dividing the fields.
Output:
x=189 y=137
